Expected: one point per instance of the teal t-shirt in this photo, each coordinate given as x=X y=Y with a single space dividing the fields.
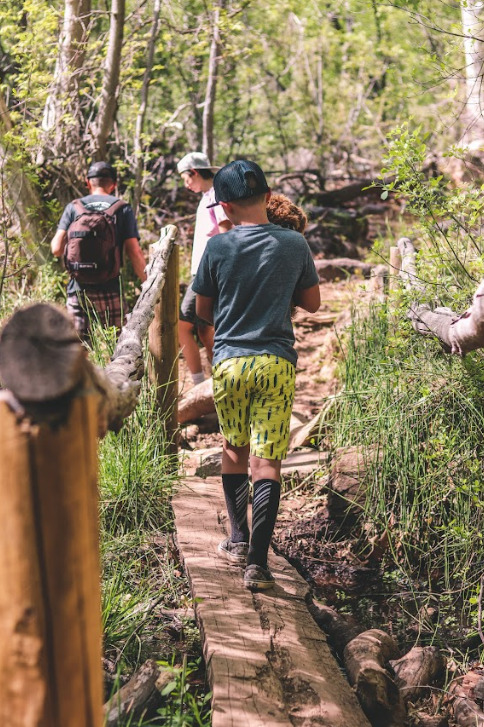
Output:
x=252 y=272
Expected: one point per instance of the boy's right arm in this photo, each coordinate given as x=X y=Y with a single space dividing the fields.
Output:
x=58 y=243
x=204 y=308
x=308 y=298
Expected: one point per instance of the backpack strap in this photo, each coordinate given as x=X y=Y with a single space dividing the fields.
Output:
x=115 y=207
x=79 y=207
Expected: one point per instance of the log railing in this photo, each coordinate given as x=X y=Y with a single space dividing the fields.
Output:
x=458 y=334
x=54 y=405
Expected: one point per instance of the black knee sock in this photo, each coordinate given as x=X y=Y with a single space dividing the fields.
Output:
x=265 y=504
x=236 y=491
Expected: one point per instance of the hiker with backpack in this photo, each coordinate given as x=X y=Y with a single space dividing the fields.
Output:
x=93 y=235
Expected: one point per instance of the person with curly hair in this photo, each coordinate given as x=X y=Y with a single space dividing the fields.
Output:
x=281 y=211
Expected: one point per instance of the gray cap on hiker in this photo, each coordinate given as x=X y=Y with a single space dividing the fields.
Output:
x=194 y=160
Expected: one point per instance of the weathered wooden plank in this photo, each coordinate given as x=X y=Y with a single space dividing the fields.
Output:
x=269 y=663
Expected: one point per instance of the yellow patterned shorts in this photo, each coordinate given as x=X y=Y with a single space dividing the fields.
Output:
x=254 y=397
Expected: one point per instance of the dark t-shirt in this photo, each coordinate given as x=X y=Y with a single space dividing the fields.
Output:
x=126 y=227
x=252 y=272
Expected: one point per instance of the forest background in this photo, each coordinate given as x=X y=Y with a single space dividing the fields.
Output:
x=327 y=92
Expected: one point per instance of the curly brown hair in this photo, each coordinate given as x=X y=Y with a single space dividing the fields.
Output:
x=281 y=211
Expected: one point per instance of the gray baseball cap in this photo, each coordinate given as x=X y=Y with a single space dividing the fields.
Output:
x=194 y=160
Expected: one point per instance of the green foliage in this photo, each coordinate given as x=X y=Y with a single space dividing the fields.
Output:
x=449 y=219
x=425 y=415
x=189 y=704
x=137 y=478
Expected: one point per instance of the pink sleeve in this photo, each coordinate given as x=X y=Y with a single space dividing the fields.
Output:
x=220 y=215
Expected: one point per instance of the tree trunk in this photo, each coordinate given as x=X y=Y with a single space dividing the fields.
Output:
x=472 y=27
x=140 y=119
x=107 y=108
x=63 y=101
x=25 y=202
x=210 y=92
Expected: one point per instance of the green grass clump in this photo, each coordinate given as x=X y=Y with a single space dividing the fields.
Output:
x=423 y=411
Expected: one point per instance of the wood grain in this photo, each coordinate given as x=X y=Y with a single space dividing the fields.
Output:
x=269 y=664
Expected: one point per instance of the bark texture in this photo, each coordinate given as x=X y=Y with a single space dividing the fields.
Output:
x=365 y=658
x=459 y=334
x=421 y=667
x=140 y=119
x=472 y=26
x=196 y=402
x=109 y=92
x=63 y=101
x=140 y=695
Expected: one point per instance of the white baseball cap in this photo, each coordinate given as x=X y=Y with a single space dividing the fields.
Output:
x=194 y=160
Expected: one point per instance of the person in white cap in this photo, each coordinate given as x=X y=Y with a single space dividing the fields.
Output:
x=197 y=174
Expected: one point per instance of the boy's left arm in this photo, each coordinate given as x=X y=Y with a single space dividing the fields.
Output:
x=204 y=308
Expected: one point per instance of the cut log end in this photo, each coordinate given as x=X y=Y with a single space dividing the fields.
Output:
x=41 y=357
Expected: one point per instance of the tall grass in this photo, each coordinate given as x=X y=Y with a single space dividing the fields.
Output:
x=424 y=411
x=142 y=578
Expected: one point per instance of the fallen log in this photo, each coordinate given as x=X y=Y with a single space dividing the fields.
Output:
x=340 y=629
x=138 y=697
x=41 y=359
x=458 y=334
x=420 y=668
x=197 y=402
x=467 y=699
x=365 y=658
x=311 y=433
x=342 y=267
x=346 y=491
x=421 y=719
x=349 y=192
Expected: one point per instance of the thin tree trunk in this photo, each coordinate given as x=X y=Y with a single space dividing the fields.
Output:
x=107 y=109
x=140 y=119
x=64 y=97
x=25 y=202
x=211 y=88
x=473 y=26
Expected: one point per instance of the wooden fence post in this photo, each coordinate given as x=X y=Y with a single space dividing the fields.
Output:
x=163 y=345
x=50 y=605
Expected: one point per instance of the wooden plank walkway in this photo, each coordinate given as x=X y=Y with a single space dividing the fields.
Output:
x=269 y=664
